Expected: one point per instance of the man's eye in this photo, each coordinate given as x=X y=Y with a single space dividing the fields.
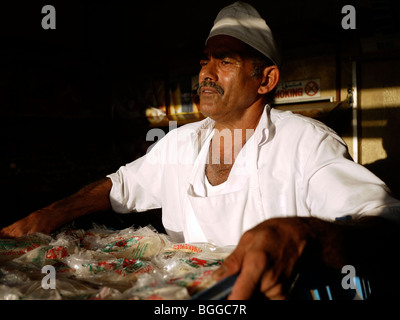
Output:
x=225 y=62
x=203 y=62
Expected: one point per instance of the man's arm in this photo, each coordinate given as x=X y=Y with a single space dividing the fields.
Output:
x=92 y=198
x=268 y=254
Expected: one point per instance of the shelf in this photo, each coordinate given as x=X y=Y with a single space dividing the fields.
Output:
x=315 y=109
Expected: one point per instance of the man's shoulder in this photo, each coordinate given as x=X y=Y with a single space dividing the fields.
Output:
x=298 y=123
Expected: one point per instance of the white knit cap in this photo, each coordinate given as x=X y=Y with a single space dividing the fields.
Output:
x=241 y=21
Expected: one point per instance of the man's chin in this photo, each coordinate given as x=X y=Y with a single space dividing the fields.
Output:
x=208 y=109
x=207 y=113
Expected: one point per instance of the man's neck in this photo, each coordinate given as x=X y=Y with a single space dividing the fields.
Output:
x=238 y=129
x=248 y=119
x=229 y=138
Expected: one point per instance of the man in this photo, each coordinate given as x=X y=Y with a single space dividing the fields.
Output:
x=283 y=181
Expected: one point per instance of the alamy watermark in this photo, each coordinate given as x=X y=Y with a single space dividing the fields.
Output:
x=49 y=20
x=49 y=281
x=230 y=142
x=348 y=281
x=349 y=20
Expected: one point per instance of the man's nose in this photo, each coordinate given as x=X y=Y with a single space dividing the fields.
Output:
x=208 y=72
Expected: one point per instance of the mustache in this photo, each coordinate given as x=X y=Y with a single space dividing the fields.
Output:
x=210 y=84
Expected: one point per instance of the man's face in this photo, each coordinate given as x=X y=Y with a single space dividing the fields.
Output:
x=227 y=87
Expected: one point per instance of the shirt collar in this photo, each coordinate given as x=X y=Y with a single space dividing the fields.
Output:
x=261 y=133
x=264 y=126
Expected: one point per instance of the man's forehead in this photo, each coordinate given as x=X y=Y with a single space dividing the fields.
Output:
x=221 y=53
x=226 y=46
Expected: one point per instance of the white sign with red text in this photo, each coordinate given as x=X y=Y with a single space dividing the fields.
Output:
x=292 y=91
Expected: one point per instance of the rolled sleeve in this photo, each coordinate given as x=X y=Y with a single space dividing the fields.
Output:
x=137 y=185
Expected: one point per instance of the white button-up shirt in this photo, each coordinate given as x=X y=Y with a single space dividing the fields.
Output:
x=302 y=169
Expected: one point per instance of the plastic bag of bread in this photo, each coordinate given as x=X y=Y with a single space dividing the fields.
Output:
x=107 y=264
x=127 y=243
x=65 y=289
x=9 y=293
x=11 y=276
x=191 y=265
x=16 y=285
x=194 y=281
x=165 y=292
x=154 y=287
x=52 y=253
x=13 y=248
x=199 y=249
x=178 y=259
x=105 y=269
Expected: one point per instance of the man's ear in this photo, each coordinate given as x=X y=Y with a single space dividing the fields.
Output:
x=270 y=79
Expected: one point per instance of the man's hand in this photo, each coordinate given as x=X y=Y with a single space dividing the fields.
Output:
x=266 y=257
x=35 y=222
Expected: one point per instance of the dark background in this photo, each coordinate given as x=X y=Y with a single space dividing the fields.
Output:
x=58 y=126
